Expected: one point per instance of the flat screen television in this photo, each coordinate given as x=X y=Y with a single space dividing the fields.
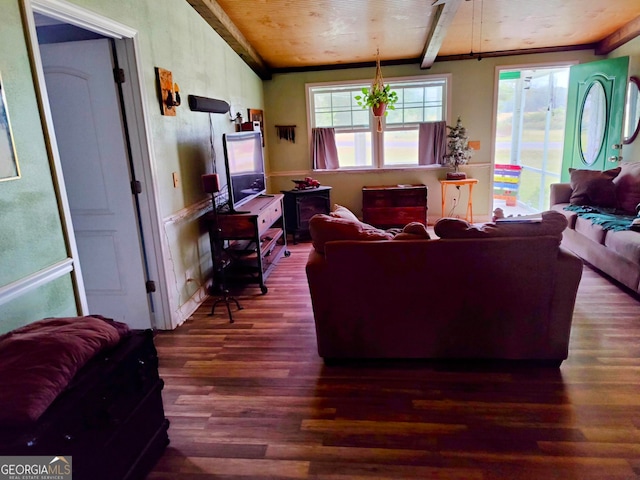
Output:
x=244 y=162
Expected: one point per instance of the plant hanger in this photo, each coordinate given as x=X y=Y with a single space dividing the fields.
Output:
x=378 y=84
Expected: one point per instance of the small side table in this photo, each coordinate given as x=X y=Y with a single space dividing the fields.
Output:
x=470 y=182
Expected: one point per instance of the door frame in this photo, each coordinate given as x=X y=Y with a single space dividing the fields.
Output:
x=133 y=92
x=496 y=87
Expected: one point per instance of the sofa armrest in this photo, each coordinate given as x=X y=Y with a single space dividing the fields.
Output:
x=560 y=193
x=568 y=275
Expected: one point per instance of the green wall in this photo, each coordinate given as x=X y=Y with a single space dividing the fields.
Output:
x=31 y=236
x=472 y=89
x=173 y=36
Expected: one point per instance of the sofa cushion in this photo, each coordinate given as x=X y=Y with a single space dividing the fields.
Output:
x=627 y=185
x=325 y=228
x=590 y=230
x=553 y=223
x=413 y=231
x=570 y=216
x=593 y=187
x=625 y=243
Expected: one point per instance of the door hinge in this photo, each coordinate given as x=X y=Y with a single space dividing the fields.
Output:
x=118 y=75
x=151 y=286
x=136 y=187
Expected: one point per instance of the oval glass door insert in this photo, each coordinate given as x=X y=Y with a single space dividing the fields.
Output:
x=592 y=123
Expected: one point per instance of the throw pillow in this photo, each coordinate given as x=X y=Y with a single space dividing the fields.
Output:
x=627 y=185
x=325 y=228
x=593 y=187
x=553 y=223
x=343 y=212
x=413 y=231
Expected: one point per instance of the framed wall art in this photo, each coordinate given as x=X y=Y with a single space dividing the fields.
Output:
x=9 y=169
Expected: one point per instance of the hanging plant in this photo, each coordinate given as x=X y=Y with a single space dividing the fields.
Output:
x=379 y=97
x=458 y=148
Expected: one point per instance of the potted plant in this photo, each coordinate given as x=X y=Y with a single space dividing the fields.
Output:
x=378 y=98
x=459 y=150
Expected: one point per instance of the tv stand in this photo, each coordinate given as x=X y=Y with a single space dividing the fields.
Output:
x=262 y=228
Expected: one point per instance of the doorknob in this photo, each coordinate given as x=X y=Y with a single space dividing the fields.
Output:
x=615 y=158
x=617 y=146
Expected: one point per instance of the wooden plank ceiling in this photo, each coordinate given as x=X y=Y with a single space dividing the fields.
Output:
x=290 y=35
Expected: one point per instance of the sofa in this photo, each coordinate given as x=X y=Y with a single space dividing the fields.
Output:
x=499 y=292
x=611 y=246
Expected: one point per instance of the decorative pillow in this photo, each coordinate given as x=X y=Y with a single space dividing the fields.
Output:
x=343 y=212
x=325 y=228
x=553 y=223
x=413 y=231
x=593 y=187
x=627 y=185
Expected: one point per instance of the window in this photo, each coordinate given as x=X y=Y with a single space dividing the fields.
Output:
x=359 y=144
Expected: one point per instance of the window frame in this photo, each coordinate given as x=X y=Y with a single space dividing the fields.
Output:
x=377 y=138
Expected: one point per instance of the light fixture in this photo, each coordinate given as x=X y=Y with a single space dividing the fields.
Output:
x=173 y=97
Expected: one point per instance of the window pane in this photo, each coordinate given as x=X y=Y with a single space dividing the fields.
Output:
x=324 y=120
x=322 y=100
x=341 y=100
x=354 y=149
x=414 y=95
x=434 y=114
x=361 y=118
x=401 y=147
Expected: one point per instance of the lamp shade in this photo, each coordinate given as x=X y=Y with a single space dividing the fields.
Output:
x=211 y=183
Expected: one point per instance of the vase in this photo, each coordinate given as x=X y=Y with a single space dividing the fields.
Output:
x=379 y=110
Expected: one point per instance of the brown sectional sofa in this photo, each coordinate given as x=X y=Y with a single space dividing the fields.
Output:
x=496 y=296
x=616 y=253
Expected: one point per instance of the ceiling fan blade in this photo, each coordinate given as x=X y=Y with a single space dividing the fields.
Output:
x=438 y=2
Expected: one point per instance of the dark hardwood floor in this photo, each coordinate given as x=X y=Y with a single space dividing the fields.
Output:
x=252 y=400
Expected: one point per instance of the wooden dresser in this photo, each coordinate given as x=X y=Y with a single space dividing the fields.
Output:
x=394 y=205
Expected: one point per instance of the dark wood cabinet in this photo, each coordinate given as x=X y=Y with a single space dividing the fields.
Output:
x=301 y=205
x=394 y=205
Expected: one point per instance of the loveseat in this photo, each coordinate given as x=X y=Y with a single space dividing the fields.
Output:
x=478 y=292
x=609 y=246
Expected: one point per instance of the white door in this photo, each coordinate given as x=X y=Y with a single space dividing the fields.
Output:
x=90 y=134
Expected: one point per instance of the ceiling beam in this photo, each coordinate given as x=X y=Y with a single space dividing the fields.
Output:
x=621 y=36
x=444 y=13
x=213 y=14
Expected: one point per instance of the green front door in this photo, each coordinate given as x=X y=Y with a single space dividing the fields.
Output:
x=595 y=108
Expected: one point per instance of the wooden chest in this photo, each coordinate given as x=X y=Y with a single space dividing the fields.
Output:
x=110 y=419
x=394 y=206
